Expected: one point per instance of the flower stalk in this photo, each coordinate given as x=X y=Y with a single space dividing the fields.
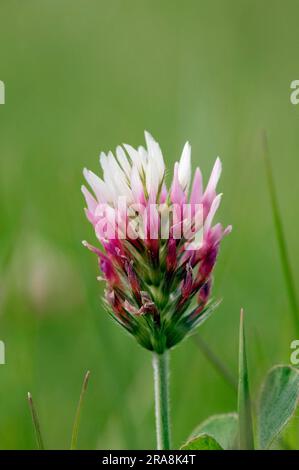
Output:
x=161 y=383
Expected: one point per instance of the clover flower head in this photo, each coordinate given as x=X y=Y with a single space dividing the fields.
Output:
x=159 y=244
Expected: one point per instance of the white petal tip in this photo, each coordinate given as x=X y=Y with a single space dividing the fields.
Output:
x=149 y=139
x=147 y=134
x=102 y=156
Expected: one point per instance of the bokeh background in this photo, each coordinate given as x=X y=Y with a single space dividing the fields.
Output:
x=81 y=77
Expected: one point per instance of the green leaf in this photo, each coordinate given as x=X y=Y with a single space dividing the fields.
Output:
x=76 y=425
x=202 y=442
x=244 y=403
x=278 y=401
x=36 y=423
x=222 y=427
x=216 y=361
x=282 y=243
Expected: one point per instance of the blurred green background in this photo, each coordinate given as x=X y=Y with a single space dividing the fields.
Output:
x=81 y=77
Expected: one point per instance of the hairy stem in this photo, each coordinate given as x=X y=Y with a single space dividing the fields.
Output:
x=161 y=373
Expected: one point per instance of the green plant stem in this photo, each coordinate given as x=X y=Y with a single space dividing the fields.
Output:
x=285 y=262
x=161 y=376
x=216 y=362
x=75 y=431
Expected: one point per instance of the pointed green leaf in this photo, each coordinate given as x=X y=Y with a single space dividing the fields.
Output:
x=202 y=442
x=278 y=402
x=36 y=423
x=244 y=402
x=222 y=427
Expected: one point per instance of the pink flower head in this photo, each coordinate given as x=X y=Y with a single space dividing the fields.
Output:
x=159 y=245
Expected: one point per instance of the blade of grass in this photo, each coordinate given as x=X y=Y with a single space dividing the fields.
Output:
x=36 y=424
x=78 y=413
x=216 y=362
x=287 y=271
x=246 y=441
